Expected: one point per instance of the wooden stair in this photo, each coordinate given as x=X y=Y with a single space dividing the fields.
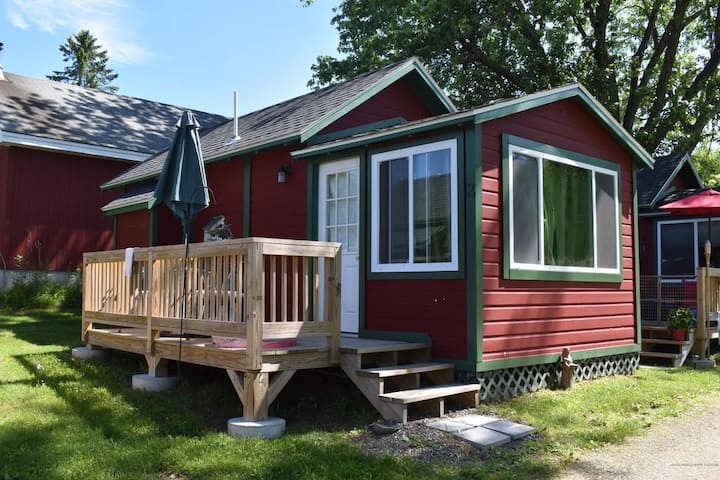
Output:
x=394 y=376
x=659 y=349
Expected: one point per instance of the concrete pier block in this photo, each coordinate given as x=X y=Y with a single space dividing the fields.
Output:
x=85 y=353
x=272 y=427
x=148 y=383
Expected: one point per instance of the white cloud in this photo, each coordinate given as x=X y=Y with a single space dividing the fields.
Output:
x=104 y=18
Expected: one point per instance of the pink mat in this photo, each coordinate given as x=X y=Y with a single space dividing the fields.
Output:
x=242 y=343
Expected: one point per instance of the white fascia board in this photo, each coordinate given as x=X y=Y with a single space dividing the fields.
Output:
x=32 y=141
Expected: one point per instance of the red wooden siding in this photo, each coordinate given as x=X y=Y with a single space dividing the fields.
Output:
x=50 y=208
x=133 y=229
x=278 y=210
x=522 y=317
x=397 y=100
x=169 y=228
x=435 y=307
x=226 y=182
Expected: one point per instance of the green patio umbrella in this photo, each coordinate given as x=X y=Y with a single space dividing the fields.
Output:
x=183 y=188
x=182 y=185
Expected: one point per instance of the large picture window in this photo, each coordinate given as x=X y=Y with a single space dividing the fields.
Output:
x=563 y=214
x=414 y=209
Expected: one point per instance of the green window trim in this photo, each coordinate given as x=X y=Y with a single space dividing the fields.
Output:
x=584 y=252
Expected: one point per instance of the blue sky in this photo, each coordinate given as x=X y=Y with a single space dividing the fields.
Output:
x=182 y=52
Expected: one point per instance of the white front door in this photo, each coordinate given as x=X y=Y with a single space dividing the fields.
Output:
x=338 y=221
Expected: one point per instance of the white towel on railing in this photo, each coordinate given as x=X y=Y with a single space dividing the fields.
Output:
x=129 y=252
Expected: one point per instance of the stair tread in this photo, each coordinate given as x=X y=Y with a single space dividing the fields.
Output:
x=429 y=393
x=660 y=354
x=380 y=347
x=398 y=370
x=665 y=341
x=655 y=328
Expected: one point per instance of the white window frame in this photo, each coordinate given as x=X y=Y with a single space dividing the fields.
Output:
x=408 y=153
x=696 y=252
x=542 y=267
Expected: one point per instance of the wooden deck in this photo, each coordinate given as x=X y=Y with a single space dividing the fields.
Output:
x=252 y=290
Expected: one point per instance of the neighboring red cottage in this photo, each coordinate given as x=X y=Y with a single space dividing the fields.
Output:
x=515 y=238
x=58 y=142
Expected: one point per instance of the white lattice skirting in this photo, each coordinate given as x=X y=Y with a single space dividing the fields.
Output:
x=510 y=382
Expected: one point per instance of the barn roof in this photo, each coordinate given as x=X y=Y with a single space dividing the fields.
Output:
x=46 y=114
x=297 y=119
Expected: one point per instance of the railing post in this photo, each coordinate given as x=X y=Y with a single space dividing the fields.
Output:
x=150 y=347
x=86 y=297
x=701 y=294
x=333 y=274
x=255 y=305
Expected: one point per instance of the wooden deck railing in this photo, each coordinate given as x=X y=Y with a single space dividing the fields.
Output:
x=708 y=304
x=253 y=288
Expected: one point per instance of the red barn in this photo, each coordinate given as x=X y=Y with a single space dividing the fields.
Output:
x=516 y=236
x=58 y=142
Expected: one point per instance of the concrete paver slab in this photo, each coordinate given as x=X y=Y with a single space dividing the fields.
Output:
x=514 y=430
x=449 y=425
x=481 y=437
x=476 y=420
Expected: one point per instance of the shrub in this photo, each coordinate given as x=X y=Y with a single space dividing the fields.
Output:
x=37 y=291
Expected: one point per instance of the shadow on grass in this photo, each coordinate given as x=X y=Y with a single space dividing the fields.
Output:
x=41 y=327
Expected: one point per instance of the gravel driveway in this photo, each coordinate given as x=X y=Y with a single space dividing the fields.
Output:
x=686 y=447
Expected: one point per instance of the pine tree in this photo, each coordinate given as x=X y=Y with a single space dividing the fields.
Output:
x=87 y=63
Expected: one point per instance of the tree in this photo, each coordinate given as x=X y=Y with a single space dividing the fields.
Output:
x=88 y=63
x=654 y=64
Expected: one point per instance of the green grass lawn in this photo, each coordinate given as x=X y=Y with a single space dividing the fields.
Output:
x=63 y=419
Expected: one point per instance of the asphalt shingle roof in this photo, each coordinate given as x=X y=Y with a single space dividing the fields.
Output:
x=652 y=180
x=54 y=110
x=284 y=121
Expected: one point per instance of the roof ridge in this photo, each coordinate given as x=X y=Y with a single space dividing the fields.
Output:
x=80 y=88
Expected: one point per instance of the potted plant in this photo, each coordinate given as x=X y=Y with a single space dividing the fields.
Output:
x=679 y=322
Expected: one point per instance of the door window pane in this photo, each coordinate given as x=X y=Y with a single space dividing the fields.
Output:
x=342 y=189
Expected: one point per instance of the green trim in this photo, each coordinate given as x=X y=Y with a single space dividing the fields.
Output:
x=492 y=112
x=153 y=224
x=363 y=238
x=247 y=195
x=312 y=201
x=490 y=365
x=255 y=148
x=473 y=258
x=142 y=205
x=527 y=274
x=394 y=133
x=381 y=85
x=636 y=261
x=349 y=132
x=460 y=207
x=498 y=110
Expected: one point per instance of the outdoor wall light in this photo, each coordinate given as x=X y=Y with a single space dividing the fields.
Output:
x=283 y=173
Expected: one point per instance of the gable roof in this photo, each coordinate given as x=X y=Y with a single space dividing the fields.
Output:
x=297 y=119
x=46 y=114
x=487 y=113
x=652 y=183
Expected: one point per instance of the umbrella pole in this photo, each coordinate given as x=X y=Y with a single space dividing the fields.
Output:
x=186 y=236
